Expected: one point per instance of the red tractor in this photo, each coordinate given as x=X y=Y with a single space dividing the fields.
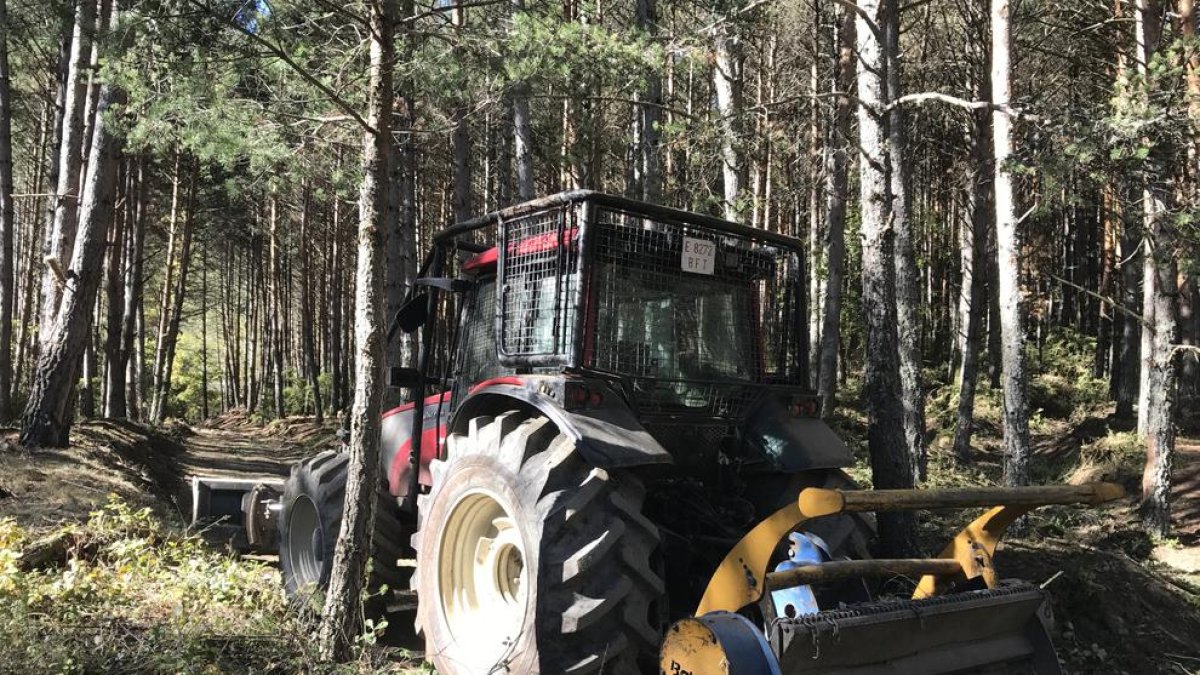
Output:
x=610 y=432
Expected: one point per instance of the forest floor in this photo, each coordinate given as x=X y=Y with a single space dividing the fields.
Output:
x=133 y=590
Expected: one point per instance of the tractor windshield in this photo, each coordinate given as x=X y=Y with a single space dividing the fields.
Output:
x=694 y=328
x=691 y=318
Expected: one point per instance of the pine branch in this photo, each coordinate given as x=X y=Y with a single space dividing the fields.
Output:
x=280 y=54
x=959 y=102
x=460 y=5
x=1106 y=300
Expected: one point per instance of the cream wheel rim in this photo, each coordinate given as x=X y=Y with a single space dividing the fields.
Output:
x=482 y=578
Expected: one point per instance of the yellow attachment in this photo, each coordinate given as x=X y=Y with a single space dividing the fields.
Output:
x=691 y=647
x=973 y=548
x=740 y=579
x=721 y=643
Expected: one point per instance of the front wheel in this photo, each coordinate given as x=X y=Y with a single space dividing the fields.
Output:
x=530 y=560
x=313 y=501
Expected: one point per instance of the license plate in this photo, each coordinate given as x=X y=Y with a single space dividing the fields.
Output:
x=699 y=256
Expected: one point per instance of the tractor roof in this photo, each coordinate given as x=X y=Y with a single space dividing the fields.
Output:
x=647 y=209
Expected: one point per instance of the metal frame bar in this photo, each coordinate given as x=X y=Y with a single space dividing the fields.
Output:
x=621 y=203
x=741 y=578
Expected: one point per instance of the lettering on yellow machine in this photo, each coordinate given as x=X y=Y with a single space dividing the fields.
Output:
x=695 y=651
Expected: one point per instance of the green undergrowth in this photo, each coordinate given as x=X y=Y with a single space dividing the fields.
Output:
x=129 y=593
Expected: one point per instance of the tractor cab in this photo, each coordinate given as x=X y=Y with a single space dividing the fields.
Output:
x=689 y=328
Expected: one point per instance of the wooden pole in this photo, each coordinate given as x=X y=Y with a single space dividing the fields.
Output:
x=816 y=502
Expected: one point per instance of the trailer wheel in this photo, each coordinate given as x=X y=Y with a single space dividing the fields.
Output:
x=313 y=499
x=531 y=560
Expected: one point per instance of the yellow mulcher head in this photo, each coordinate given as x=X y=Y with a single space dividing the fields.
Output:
x=1000 y=626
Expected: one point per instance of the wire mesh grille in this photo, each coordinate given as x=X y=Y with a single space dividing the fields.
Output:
x=693 y=316
x=479 y=340
x=539 y=273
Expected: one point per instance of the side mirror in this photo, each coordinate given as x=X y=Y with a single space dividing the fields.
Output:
x=414 y=313
x=403 y=378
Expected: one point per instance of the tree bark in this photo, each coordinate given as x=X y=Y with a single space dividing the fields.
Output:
x=522 y=131
x=819 y=151
x=908 y=320
x=1161 y=379
x=1145 y=33
x=836 y=171
x=173 y=306
x=1012 y=319
x=7 y=221
x=46 y=421
x=890 y=460
x=402 y=260
x=60 y=235
x=339 y=618
x=648 y=159
x=133 y=325
x=204 y=330
x=275 y=319
x=462 y=201
x=727 y=82
x=336 y=360
x=311 y=362
x=1128 y=373
x=972 y=239
x=114 y=363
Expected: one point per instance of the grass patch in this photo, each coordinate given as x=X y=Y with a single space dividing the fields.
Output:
x=128 y=593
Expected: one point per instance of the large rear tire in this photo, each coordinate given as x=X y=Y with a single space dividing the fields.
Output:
x=530 y=560
x=313 y=500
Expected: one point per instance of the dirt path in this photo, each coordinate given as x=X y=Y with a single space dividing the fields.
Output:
x=1186 y=493
x=224 y=452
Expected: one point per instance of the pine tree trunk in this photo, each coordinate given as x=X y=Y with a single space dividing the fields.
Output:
x=972 y=240
x=821 y=149
x=404 y=164
x=340 y=615
x=994 y=341
x=1128 y=373
x=1146 y=29
x=908 y=321
x=275 y=313
x=1012 y=319
x=87 y=376
x=522 y=131
x=463 y=200
x=818 y=153
x=204 y=331
x=60 y=236
x=169 y=336
x=7 y=221
x=1149 y=307
x=133 y=326
x=890 y=460
x=1161 y=379
x=836 y=187
x=312 y=363
x=114 y=363
x=336 y=360
x=46 y=419
x=727 y=83
x=93 y=87
x=164 y=298
x=648 y=159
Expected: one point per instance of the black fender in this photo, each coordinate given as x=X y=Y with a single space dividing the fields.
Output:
x=608 y=435
x=791 y=443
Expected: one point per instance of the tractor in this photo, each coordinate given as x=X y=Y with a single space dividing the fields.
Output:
x=611 y=462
